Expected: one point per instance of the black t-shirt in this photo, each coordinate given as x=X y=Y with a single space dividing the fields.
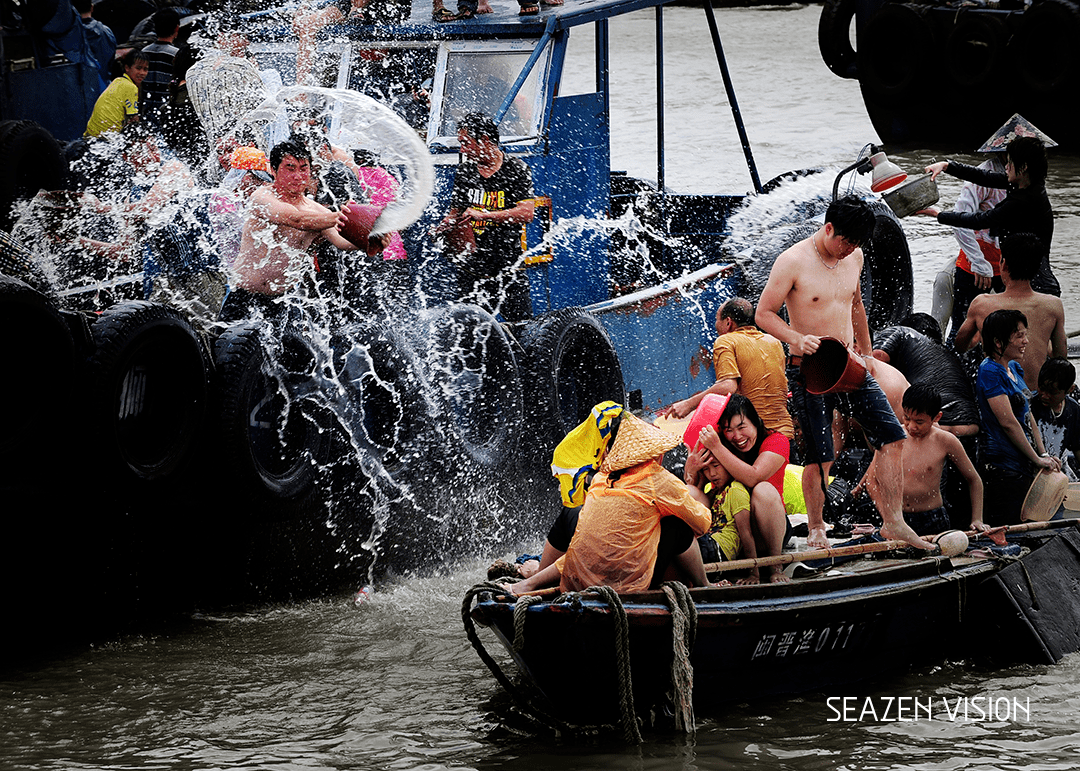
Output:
x=1059 y=434
x=498 y=246
x=921 y=360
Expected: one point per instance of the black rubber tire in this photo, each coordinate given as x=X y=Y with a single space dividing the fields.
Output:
x=896 y=50
x=976 y=50
x=271 y=459
x=148 y=378
x=35 y=391
x=30 y=160
x=1045 y=48
x=386 y=412
x=888 y=282
x=834 y=37
x=471 y=366
x=570 y=365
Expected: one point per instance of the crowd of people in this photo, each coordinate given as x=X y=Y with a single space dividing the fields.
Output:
x=948 y=448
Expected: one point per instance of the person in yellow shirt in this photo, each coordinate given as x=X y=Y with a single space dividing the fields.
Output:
x=120 y=101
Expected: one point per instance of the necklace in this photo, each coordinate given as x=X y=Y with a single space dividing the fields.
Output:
x=813 y=240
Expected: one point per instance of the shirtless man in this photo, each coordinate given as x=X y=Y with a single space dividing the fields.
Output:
x=281 y=225
x=818 y=280
x=1021 y=254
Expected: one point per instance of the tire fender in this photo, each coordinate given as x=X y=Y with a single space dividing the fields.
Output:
x=569 y=366
x=1046 y=53
x=834 y=39
x=897 y=50
x=148 y=377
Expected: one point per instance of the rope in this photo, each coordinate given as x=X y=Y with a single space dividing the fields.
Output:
x=520 y=608
x=627 y=715
x=516 y=693
x=683 y=632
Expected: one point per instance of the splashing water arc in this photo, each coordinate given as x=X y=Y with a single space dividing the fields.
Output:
x=353 y=121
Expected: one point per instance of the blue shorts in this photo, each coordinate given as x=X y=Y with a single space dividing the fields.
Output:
x=867 y=405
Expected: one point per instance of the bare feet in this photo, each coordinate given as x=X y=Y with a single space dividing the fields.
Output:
x=778 y=577
x=901 y=531
x=484 y=7
x=751 y=580
x=722 y=582
x=816 y=538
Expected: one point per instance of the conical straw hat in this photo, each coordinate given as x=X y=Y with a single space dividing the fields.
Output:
x=1045 y=496
x=1016 y=126
x=636 y=442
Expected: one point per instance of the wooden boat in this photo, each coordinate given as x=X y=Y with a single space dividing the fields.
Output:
x=832 y=627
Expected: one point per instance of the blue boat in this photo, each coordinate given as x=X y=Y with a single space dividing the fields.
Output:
x=396 y=415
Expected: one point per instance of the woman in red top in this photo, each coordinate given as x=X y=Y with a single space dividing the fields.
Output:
x=758 y=458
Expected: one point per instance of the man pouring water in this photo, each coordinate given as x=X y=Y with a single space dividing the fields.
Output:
x=818 y=280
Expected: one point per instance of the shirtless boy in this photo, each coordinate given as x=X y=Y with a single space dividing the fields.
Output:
x=1021 y=255
x=925 y=451
x=281 y=226
x=818 y=280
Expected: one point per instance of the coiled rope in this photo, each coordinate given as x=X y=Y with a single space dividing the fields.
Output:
x=627 y=714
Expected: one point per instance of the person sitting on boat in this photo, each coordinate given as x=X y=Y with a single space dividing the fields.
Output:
x=749 y=362
x=1012 y=449
x=1025 y=209
x=925 y=452
x=1058 y=415
x=493 y=193
x=755 y=457
x=729 y=502
x=914 y=347
x=818 y=280
x=1021 y=254
x=638 y=520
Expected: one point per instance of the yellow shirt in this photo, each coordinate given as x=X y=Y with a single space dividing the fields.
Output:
x=116 y=102
x=727 y=503
x=757 y=361
x=618 y=529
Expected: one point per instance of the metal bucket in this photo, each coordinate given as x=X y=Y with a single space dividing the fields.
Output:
x=913 y=195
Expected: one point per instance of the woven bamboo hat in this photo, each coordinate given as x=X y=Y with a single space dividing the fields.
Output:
x=636 y=442
x=1044 y=496
x=1016 y=126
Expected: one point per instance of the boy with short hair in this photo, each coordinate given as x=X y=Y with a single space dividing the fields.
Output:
x=1058 y=415
x=925 y=451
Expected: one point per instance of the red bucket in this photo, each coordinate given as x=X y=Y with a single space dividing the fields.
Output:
x=832 y=368
x=359 y=220
x=707 y=414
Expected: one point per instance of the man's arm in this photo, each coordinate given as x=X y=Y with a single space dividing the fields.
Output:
x=268 y=207
x=859 y=325
x=1059 y=340
x=773 y=296
x=521 y=213
x=681 y=409
x=969 y=330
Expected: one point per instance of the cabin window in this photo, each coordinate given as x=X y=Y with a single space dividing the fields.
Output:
x=398 y=76
x=478 y=75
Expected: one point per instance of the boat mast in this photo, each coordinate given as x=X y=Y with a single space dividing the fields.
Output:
x=731 y=95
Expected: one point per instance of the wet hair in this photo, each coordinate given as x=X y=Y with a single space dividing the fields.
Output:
x=166 y=21
x=924 y=398
x=924 y=323
x=739 y=310
x=1058 y=372
x=479 y=126
x=740 y=405
x=290 y=147
x=134 y=55
x=998 y=327
x=1022 y=253
x=1028 y=154
x=852 y=219
x=83 y=6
